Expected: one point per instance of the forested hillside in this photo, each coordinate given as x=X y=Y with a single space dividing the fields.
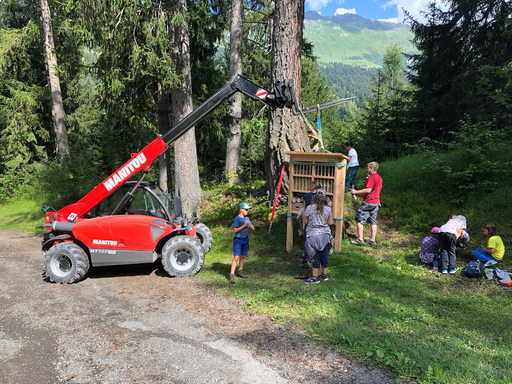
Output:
x=455 y=94
x=348 y=80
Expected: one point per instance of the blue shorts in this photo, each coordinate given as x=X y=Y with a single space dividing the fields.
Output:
x=367 y=212
x=240 y=246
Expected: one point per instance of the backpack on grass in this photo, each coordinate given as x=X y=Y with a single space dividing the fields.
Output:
x=474 y=269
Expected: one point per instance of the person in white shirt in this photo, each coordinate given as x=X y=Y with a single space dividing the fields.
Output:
x=352 y=166
x=448 y=236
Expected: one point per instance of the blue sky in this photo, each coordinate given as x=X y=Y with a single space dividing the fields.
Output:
x=390 y=10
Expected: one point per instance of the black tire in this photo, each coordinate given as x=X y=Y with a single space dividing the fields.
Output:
x=205 y=236
x=65 y=263
x=182 y=256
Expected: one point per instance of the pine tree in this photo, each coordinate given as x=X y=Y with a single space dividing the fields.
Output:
x=285 y=131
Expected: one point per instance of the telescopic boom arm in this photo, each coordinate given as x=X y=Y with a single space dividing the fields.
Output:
x=283 y=96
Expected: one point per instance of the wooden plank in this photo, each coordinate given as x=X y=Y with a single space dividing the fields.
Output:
x=289 y=221
x=338 y=205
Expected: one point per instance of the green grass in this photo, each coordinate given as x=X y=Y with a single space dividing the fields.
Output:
x=380 y=305
x=24 y=215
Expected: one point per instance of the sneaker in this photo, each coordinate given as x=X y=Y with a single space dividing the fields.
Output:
x=371 y=243
x=312 y=280
x=444 y=271
x=232 y=278
x=305 y=265
x=453 y=271
x=324 y=277
x=242 y=274
x=358 y=242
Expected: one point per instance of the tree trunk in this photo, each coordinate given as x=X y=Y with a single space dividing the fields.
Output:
x=185 y=152
x=58 y=116
x=234 y=139
x=164 y=124
x=285 y=132
x=164 y=160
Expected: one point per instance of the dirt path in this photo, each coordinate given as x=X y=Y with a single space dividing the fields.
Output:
x=136 y=325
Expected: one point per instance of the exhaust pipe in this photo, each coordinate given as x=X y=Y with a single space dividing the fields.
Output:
x=60 y=227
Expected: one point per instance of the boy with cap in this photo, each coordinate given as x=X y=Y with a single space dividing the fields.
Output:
x=241 y=226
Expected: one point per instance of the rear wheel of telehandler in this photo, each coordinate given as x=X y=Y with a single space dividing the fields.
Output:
x=205 y=236
x=65 y=263
x=182 y=256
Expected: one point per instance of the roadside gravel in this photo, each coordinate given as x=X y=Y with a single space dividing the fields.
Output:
x=136 y=325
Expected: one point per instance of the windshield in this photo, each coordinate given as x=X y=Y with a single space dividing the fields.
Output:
x=164 y=197
x=143 y=202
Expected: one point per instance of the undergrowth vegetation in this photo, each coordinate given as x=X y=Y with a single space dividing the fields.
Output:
x=380 y=305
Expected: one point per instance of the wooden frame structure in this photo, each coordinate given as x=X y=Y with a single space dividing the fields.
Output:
x=327 y=169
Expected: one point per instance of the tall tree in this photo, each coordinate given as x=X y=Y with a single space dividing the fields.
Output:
x=164 y=123
x=285 y=131
x=185 y=154
x=58 y=115
x=234 y=137
x=454 y=45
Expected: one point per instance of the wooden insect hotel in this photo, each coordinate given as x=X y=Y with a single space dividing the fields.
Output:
x=310 y=168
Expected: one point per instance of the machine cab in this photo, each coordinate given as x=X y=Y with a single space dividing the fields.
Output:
x=149 y=199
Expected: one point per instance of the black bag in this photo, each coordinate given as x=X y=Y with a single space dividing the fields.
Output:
x=474 y=269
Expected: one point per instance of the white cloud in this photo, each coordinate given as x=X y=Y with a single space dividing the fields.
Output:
x=342 y=11
x=391 y=20
x=317 y=5
x=413 y=7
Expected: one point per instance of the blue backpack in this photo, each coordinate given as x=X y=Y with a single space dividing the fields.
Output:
x=474 y=269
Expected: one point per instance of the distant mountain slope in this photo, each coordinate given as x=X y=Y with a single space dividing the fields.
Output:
x=353 y=40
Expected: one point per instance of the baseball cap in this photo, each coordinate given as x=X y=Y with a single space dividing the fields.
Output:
x=320 y=192
x=435 y=230
x=244 y=206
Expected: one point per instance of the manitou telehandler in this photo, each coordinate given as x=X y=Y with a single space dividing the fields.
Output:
x=124 y=222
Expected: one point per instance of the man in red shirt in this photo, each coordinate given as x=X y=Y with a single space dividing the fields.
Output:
x=371 y=204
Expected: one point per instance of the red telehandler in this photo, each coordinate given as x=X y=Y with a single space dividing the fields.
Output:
x=123 y=222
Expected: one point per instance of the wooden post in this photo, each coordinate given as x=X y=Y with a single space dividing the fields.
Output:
x=289 y=220
x=338 y=204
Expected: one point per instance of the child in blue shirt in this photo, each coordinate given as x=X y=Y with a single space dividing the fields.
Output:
x=241 y=226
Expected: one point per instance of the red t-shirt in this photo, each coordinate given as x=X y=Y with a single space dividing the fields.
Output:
x=375 y=183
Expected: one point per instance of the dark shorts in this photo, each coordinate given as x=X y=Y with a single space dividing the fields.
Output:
x=367 y=212
x=321 y=258
x=240 y=246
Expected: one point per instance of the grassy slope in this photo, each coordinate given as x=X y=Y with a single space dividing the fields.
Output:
x=380 y=304
x=352 y=45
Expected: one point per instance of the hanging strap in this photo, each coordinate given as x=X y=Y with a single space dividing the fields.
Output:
x=314 y=132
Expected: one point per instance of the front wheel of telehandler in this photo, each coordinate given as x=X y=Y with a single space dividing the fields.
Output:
x=182 y=256
x=65 y=263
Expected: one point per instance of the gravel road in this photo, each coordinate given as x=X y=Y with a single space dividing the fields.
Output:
x=136 y=325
